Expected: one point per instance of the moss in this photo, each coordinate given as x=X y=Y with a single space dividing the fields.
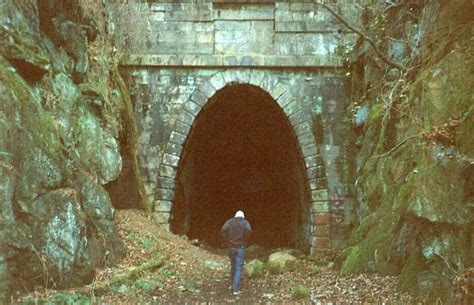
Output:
x=373 y=243
x=376 y=113
x=300 y=292
x=363 y=229
x=408 y=278
x=352 y=262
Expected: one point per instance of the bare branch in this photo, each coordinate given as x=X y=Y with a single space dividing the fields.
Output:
x=365 y=37
x=397 y=146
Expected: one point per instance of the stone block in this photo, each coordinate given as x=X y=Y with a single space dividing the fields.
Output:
x=309 y=150
x=268 y=83
x=163 y=206
x=231 y=60
x=299 y=117
x=320 y=196
x=245 y=12
x=255 y=40
x=318 y=184
x=292 y=108
x=243 y=76
x=320 y=206
x=285 y=100
x=217 y=81
x=256 y=77
x=306 y=139
x=186 y=118
x=279 y=89
x=187 y=11
x=323 y=231
x=177 y=138
x=144 y=138
x=182 y=128
x=316 y=172
x=162 y=217
x=229 y=76
x=253 y=60
x=232 y=25
x=201 y=60
x=323 y=243
x=302 y=128
x=208 y=89
x=204 y=37
x=150 y=188
x=152 y=174
x=322 y=218
x=185 y=47
x=192 y=108
x=165 y=194
x=171 y=160
x=199 y=97
x=166 y=183
x=303 y=26
x=168 y=171
x=312 y=161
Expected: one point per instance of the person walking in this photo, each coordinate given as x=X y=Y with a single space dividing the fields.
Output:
x=236 y=232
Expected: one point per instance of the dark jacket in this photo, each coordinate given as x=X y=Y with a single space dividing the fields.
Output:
x=236 y=232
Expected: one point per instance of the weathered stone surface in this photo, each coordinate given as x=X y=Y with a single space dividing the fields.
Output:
x=280 y=261
x=41 y=172
x=321 y=195
x=163 y=206
x=255 y=268
x=99 y=150
x=320 y=205
x=59 y=116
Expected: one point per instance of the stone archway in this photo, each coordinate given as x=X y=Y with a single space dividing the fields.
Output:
x=318 y=218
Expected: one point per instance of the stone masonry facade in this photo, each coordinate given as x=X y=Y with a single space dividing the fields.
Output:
x=186 y=52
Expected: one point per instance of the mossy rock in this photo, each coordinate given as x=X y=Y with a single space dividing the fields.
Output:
x=254 y=269
x=372 y=252
x=437 y=192
x=363 y=229
x=408 y=278
x=281 y=261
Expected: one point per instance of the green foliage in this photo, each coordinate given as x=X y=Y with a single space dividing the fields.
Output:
x=300 y=292
x=69 y=299
x=363 y=229
x=316 y=270
x=376 y=112
x=147 y=244
x=146 y=286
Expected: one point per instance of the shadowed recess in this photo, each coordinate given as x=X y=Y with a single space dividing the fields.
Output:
x=241 y=154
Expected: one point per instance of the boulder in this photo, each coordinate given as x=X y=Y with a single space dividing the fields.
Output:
x=281 y=261
x=254 y=268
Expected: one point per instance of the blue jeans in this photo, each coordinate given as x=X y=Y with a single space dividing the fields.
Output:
x=236 y=263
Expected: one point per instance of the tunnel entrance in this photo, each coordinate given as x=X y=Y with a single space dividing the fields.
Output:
x=241 y=153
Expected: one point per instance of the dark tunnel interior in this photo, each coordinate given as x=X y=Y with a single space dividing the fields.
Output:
x=241 y=155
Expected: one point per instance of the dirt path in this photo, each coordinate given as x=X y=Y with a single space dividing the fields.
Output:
x=195 y=274
x=192 y=274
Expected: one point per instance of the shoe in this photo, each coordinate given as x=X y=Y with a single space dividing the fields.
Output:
x=235 y=293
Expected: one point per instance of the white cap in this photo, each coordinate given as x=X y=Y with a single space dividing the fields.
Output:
x=240 y=214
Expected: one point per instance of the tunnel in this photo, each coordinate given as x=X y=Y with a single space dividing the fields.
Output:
x=241 y=154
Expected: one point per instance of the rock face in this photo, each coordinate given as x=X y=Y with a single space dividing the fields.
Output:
x=60 y=119
x=415 y=154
